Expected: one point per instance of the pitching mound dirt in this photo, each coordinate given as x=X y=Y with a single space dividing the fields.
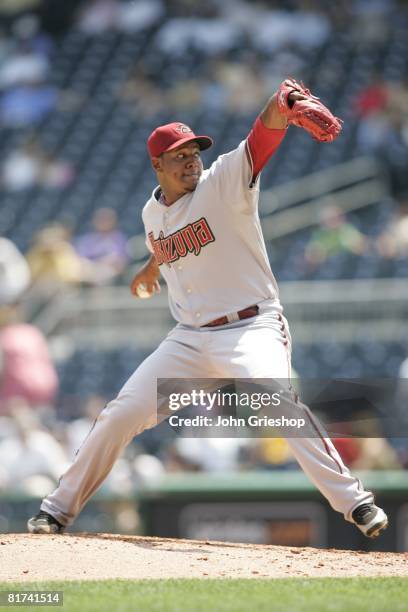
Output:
x=25 y=558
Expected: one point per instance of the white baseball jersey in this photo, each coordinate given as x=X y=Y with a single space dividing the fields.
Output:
x=209 y=243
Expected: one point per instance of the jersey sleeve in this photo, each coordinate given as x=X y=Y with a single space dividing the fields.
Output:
x=262 y=142
x=236 y=174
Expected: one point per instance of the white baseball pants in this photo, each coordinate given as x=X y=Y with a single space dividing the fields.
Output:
x=253 y=348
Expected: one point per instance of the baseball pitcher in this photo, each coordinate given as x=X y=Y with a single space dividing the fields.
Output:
x=204 y=237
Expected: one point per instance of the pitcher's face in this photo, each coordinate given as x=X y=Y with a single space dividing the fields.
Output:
x=179 y=170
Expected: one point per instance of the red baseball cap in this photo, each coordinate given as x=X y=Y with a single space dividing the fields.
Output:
x=172 y=135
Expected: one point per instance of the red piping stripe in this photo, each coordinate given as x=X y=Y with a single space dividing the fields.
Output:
x=326 y=446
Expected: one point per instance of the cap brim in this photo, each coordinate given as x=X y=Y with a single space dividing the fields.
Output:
x=204 y=142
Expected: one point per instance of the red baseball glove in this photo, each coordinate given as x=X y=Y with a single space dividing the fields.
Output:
x=308 y=113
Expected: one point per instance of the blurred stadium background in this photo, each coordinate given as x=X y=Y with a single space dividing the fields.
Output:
x=82 y=84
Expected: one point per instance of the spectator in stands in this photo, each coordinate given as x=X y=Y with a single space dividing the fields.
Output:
x=26 y=30
x=203 y=454
x=103 y=248
x=138 y=16
x=23 y=67
x=214 y=94
x=209 y=37
x=232 y=74
x=372 y=98
x=289 y=59
x=349 y=449
x=31 y=165
x=335 y=235
x=269 y=454
x=393 y=242
x=27 y=96
x=371 y=106
x=26 y=105
x=394 y=154
x=371 y=132
x=376 y=454
x=26 y=370
x=398 y=98
x=140 y=93
x=55 y=173
x=367 y=452
x=31 y=459
x=366 y=445
x=21 y=170
x=271 y=29
x=147 y=469
x=53 y=260
x=370 y=21
x=14 y=273
x=184 y=95
x=98 y=16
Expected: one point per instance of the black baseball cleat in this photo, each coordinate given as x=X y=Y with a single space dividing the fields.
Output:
x=44 y=523
x=370 y=519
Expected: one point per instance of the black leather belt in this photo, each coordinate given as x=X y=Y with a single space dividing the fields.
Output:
x=246 y=313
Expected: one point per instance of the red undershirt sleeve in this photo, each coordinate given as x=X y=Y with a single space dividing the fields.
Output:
x=262 y=143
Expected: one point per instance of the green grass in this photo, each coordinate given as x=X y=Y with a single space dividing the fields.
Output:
x=260 y=595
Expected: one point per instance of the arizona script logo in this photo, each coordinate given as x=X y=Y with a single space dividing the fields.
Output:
x=189 y=239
